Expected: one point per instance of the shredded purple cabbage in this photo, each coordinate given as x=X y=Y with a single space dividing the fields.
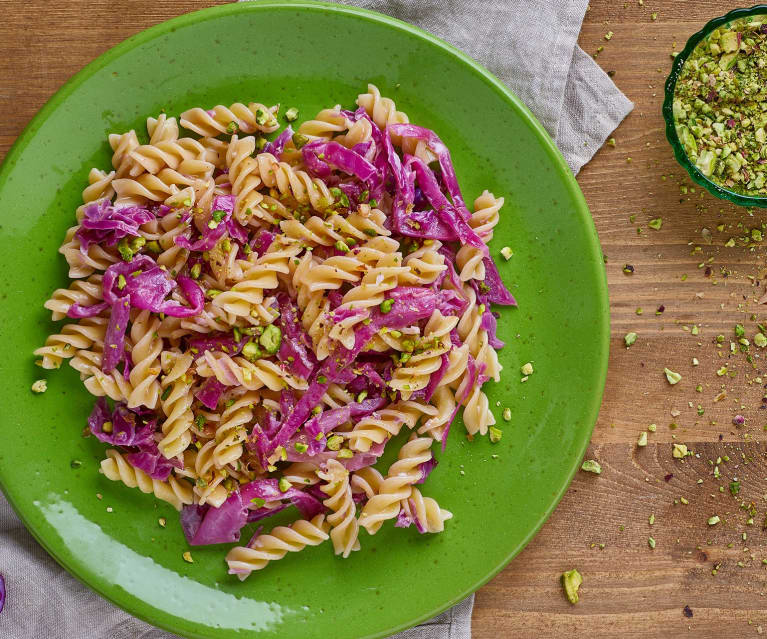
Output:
x=426 y=468
x=296 y=346
x=277 y=146
x=210 y=393
x=205 y=525
x=2 y=592
x=211 y=236
x=104 y=224
x=153 y=464
x=114 y=338
x=77 y=311
x=125 y=429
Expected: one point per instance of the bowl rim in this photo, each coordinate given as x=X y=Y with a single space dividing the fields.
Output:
x=668 y=115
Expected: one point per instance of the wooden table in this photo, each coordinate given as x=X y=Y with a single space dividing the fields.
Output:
x=601 y=527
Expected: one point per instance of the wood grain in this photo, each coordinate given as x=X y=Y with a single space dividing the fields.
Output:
x=629 y=589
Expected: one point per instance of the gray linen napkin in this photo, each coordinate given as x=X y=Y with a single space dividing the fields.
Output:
x=531 y=46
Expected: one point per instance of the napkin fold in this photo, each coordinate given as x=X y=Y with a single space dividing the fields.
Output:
x=531 y=46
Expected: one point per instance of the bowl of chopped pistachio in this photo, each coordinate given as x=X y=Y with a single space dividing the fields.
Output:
x=715 y=107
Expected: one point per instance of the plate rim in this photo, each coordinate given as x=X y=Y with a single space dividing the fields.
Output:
x=591 y=406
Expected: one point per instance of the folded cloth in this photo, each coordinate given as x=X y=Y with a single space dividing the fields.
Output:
x=531 y=46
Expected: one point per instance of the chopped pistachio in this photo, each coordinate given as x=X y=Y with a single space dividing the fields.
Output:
x=527 y=369
x=679 y=451
x=760 y=340
x=695 y=361
x=656 y=223
x=386 y=305
x=495 y=434
x=713 y=521
x=291 y=115
x=591 y=466
x=40 y=386
x=345 y=453
x=672 y=377
x=188 y=557
x=630 y=338
x=334 y=442
x=651 y=519
x=571 y=581
x=642 y=441
x=507 y=414
x=271 y=339
x=300 y=447
x=251 y=351
x=652 y=428
x=651 y=542
x=162 y=521
x=283 y=484
x=506 y=252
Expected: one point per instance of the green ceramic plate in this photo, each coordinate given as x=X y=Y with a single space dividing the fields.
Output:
x=309 y=55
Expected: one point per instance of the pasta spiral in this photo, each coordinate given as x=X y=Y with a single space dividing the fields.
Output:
x=237 y=117
x=397 y=485
x=175 y=492
x=147 y=347
x=343 y=519
x=243 y=560
x=83 y=292
x=483 y=221
x=176 y=401
x=73 y=338
x=386 y=423
x=426 y=511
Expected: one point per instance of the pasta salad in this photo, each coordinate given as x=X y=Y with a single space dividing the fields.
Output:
x=258 y=319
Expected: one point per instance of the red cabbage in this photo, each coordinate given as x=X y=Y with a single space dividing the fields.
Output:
x=357 y=461
x=451 y=302
x=153 y=464
x=403 y=519
x=262 y=513
x=343 y=159
x=446 y=432
x=2 y=592
x=446 y=214
x=260 y=244
x=490 y=325
x=215 y=342
x=125 y=430
x=493 y=289
x=211 y=236
x=78 y=312
x=237 y=231
x=425 y=469
x=194 y=295
x=102 y=223
x=295 y=347
x=277 y=146
x=210 y=393
x=204 y=525
x=145 y=282
x=147 y=285
x=114 y=338
x=441 y=151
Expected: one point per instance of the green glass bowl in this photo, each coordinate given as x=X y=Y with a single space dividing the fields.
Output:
x=668 y=116
x=307 y=55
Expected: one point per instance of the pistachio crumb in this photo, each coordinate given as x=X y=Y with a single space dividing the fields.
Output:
x=188 y=557
x=40 y=386
x=642 y=441
x=591 y=466
x=571 y=581
x=527 y=369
